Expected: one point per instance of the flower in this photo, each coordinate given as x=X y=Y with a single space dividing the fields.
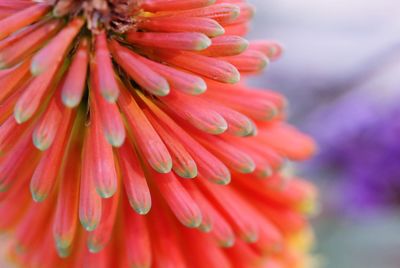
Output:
x=111 y=110
x=358 y=158
x=356 y=133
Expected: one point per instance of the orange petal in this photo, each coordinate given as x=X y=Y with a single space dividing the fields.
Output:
x=105 y=77
x=139 y=71
x=46 y=173
x=66 y=214
x=75 y=78
x=135 y=183
x=22 y=18
x=144 y=135
x=53 y=53
x=90 y=206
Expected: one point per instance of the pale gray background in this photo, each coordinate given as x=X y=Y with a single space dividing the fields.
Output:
x=335 y=48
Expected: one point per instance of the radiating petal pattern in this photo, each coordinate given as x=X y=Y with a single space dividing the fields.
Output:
x=129 y=139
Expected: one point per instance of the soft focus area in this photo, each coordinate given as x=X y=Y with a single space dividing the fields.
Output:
x=341 y=73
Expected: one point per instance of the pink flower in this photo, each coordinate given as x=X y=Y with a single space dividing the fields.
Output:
x=135 y=108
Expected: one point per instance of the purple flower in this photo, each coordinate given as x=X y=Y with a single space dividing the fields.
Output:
x=364 y=160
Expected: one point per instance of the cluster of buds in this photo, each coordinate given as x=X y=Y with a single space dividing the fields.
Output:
x=129 y=139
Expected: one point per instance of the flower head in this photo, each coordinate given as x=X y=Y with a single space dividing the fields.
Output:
x=116 y=109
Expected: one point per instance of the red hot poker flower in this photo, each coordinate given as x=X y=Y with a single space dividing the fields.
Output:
x=115 y=109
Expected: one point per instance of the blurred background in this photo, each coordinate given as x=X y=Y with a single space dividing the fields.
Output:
x=341 y=74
